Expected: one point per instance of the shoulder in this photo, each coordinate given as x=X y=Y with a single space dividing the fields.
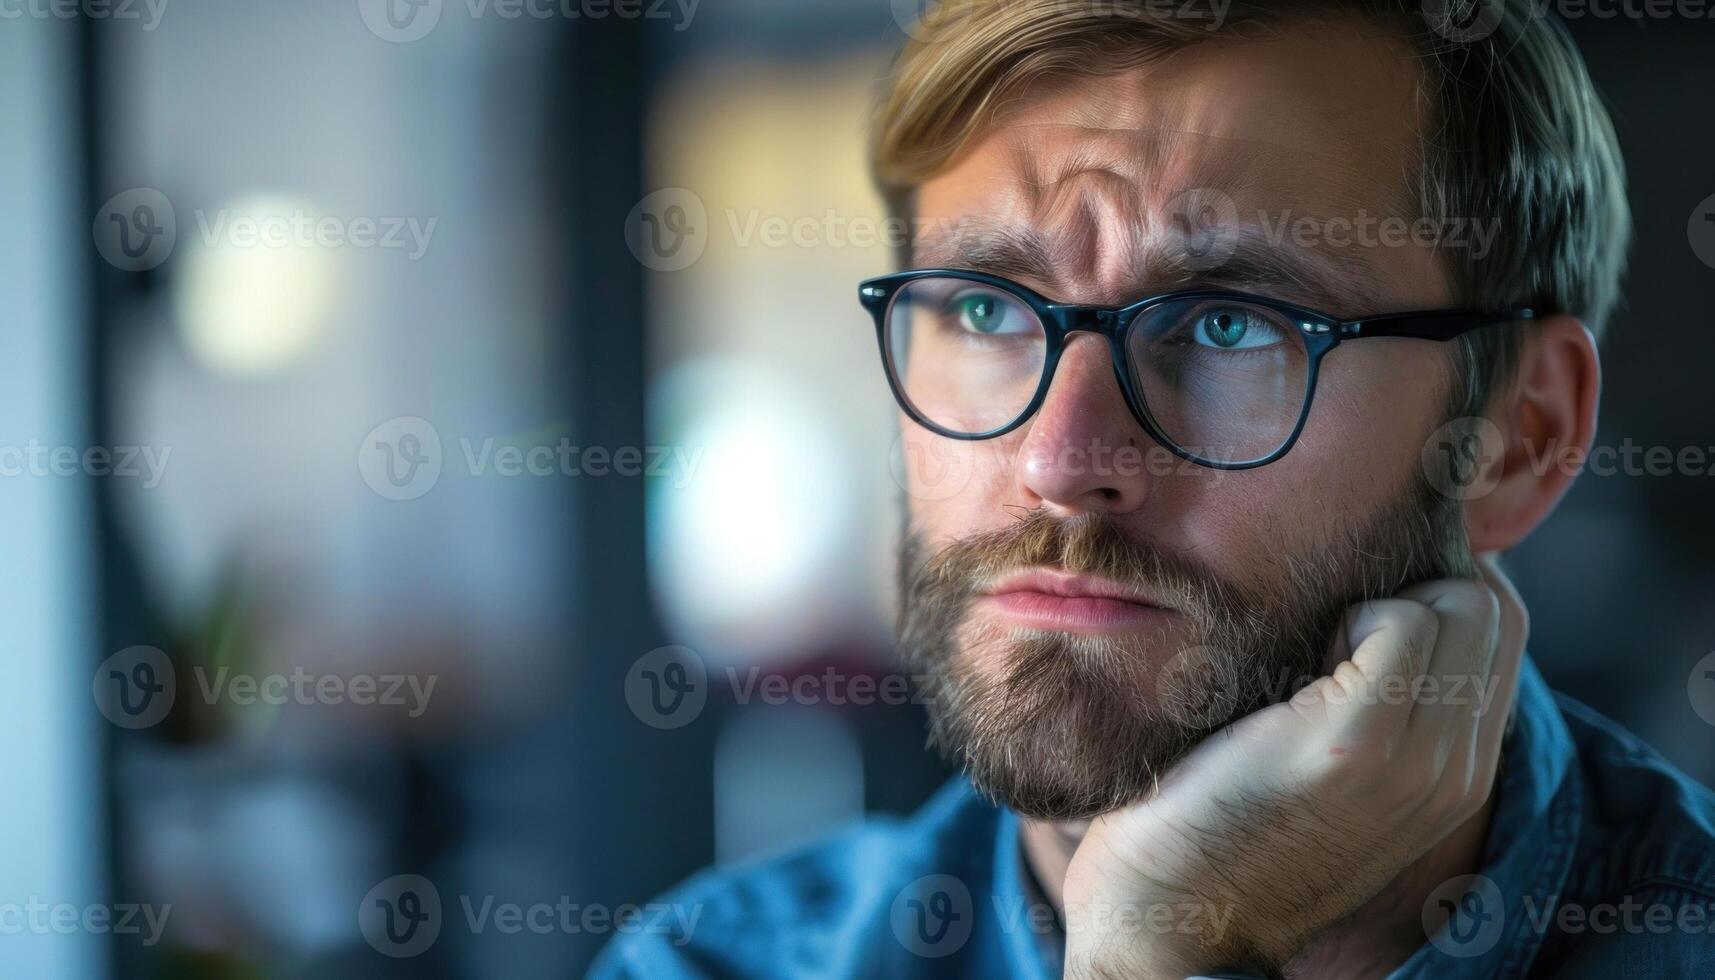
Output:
x=811 y=908
x=1651 y=820
x=1641 y=898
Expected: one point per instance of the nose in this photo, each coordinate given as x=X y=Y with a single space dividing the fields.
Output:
x=1083 y=451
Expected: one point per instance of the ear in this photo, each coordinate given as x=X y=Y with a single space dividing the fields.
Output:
x=1547 y=421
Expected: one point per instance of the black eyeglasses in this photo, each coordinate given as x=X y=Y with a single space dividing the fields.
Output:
x=1223 y=379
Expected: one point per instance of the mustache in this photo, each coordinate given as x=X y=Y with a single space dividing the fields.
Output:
x=1088 y=544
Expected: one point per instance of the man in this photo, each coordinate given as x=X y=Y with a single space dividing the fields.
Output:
x=1249 y=336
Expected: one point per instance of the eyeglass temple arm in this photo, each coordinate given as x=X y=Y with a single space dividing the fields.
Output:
x=1437 y=325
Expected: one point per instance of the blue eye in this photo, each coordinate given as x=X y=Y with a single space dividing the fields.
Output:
x=1233 y=328
x=988 y=313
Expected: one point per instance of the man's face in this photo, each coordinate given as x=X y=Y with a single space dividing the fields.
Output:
x=1086 y=606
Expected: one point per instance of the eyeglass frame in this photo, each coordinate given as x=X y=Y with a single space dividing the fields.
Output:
x=1322 y=333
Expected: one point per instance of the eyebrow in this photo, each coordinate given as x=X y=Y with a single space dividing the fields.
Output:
x=1341 y=283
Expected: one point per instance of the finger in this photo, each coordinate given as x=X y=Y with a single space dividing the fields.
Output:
x=1384 y=638
x=1458 y=681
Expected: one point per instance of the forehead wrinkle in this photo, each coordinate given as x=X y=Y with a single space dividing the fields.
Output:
x=1338 y=283
x=1080 y=208
x=1165 y=158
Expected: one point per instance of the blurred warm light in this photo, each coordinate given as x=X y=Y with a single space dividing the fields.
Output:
x=784 y=543
x=740 y=536
x=249 y=303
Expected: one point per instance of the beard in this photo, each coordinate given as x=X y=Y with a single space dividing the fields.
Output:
x=1066 y=726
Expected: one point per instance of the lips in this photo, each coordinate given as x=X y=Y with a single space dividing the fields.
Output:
x=1044 y=598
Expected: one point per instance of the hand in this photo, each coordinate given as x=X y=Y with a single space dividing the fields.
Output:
x=1291 y=818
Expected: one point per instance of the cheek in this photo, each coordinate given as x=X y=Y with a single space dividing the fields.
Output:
x=1360 y=450
x=953 y=488
x=1376 y=405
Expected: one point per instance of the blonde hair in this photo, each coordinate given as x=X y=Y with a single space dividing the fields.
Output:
x=1517 y=132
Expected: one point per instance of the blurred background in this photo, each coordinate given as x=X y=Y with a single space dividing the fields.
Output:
x=440 y=440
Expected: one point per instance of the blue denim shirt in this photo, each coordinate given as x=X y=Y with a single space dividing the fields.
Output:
x=1600 y=862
